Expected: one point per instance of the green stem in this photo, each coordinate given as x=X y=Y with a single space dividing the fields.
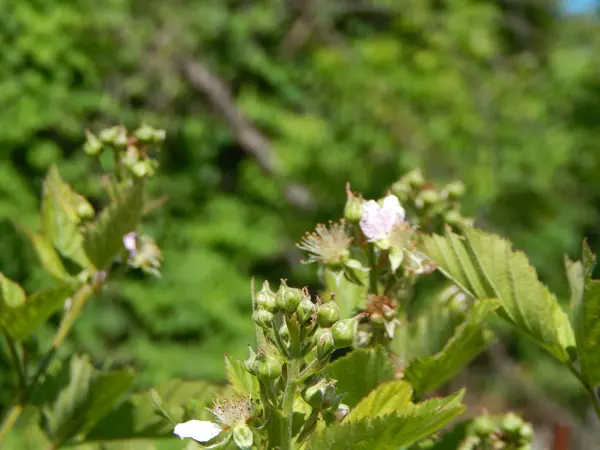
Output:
x=589 y=389
x=10 y=419
x=16 y=360
x=79 y=300
x=373 y=272
x=289 y=395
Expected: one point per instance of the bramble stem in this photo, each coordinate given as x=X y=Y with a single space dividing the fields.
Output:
x=589 y=389
x=289 y=395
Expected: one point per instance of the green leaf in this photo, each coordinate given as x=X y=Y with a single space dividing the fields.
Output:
x=359 y=372
x=240 y=379
x=60 y=219
x=85 y=399
x=136 y=419
x=586 y=315
x=12 y=295
x=22 y=320
x=48 y=257
x=103 y=239
x=390 y=431
x=470 y=338
x=485 y=266
x=390 y=397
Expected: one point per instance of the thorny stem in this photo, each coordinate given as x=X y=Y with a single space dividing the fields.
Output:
x=79 y=300
x=288 y=403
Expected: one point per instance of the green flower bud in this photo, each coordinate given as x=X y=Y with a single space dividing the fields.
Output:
x=265 y=298
x=263 y=318
x=305 y=310
x=512 y=423
x=455 y=190
x=353 y=207
x=376 y=318
x=251 y=365
x=85 y=210
x=344 y=332
x=526 y=431
x=92 y=146
x=341 y=412
x=453 y=217
x=313 y=395
x=325 y=343
x=287 y=298
x=401 y=190
x=109 y=135
x=322 y=393
x=159 y=136
x=144 y=134
x=484 y=426
x=268 y=367
x=414 y=178
x=284 y=332
x=427 y=197
x=243 y=437
x=140 y=169
x=120 y=139
x=328 y=314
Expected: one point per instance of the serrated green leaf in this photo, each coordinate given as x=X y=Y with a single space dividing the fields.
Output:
x=359 y=372
x=586 y=315
x=103 y=239
x=86 y=398
x=135 y=418
x=470 y=338
x=49 y=259
x=390 y=397
x=391 y=431
x=12 y=295
x=22 y=320
x=485 y=266
x=240 y=379
x=60 y=220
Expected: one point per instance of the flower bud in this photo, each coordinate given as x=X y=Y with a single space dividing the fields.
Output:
x=484 y=426
x=427 y=197
x=141 y=169
x=414 y=178
x=353 y=207
x=376 y=318
x=344 y=332
x=526 y=431
x=159 y=136
x=268 y=368
x=265 y=298
x=453 y=217
x=251 y=365
x=322 y=393
x=401 y=190
x=85 y=210
x=512 y=423
x=455 y=190
x=284 y=332
x=144 y=133
x=243 y=437
x=263 y=318
x=108 y=135
x=341 y=412
x=287 y=298
x=328 y=314
x=120 y=139
x=325 y=343
x=305 y=310
x=92 y=146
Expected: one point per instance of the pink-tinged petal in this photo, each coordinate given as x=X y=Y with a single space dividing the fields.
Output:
x=198 y=430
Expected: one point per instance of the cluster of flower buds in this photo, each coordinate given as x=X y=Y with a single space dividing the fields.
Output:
x=505 y=432
x=297 y=327
x=133 y=151
x=431 y=207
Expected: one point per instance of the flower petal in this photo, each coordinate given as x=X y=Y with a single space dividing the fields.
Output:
x=199 y=430
x=371 y=222
x=392 y=204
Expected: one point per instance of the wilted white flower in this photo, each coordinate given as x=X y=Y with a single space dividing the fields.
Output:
x=327 y=245
x=378 y=221
x=230 y=413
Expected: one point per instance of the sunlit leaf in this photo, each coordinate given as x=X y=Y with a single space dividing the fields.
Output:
x=240 y=379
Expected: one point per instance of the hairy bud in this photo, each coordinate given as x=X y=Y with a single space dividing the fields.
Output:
x=268 y=368
x=92 y=146
x=344 y=332
x=324 y=342
x=305 y=310
x=288 y=299
x=265 y=298
x=263 y=318
x=328 y=314
x=353 y=207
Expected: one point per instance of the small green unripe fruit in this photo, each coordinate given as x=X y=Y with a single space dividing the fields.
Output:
x=328 y=314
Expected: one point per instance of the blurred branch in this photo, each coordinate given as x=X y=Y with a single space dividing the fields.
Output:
x=249 y=137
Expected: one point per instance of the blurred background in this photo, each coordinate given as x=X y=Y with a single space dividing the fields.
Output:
x=270 y=107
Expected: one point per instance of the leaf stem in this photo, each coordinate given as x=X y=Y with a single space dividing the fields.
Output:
x=589 y=389
x=289 y=395
x=16 y=360
x=373 y=272
x=10 y=419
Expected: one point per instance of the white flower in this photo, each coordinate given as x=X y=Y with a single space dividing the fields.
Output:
x=198 y=430
x=130 y=243
x=378 y=221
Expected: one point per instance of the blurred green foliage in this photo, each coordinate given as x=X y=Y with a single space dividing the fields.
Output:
x=503 y=95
